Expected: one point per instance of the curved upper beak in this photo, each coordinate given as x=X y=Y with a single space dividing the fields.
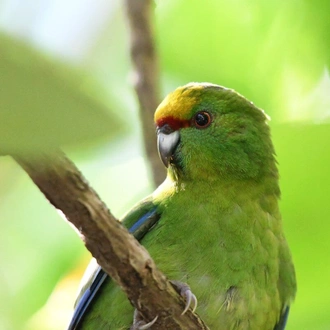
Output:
x=167 y=141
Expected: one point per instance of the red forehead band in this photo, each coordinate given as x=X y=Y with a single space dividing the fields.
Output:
x=174 y=123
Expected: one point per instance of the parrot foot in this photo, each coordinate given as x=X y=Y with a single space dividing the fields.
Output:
x=139 y=324
x=186 y=293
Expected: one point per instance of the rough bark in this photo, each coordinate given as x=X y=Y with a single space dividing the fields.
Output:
x=116 y=251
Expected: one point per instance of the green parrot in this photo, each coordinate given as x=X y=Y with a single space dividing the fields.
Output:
x=213 y=226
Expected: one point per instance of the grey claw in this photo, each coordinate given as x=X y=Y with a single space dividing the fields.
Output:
x=187 y=294
x=139 y=324
x=148 y=325
x=190 y=298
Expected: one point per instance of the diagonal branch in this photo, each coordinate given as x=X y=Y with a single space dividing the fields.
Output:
x=115 y=250
x=144 y=59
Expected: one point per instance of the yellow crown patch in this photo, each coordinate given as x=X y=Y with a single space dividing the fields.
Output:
x=179 y=103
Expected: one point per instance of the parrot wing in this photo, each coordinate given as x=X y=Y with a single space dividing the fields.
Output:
x=138 y=221
x=282 y=322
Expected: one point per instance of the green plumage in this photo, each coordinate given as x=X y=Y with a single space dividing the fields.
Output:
x=220 y=229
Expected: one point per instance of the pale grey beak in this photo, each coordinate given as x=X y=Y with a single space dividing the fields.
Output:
x=167 y=141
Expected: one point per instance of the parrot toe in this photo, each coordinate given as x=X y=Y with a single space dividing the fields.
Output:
x=186 y=293
x=139 y=324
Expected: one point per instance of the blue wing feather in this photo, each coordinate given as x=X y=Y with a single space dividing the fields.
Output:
x=282 y=322
x=138 y=230
x=87 y=298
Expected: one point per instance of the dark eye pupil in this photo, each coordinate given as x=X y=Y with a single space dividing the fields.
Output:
x=202 y=119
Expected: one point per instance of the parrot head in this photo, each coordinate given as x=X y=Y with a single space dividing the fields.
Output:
x=207 y=131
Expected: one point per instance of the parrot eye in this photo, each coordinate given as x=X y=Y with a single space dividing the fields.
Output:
x=202 y=119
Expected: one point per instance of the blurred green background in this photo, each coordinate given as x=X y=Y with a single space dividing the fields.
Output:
x=65 y=77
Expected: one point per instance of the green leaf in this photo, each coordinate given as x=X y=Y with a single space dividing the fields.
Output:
x=44 y=103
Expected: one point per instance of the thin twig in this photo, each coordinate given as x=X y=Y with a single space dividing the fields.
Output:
x=115 y=250
x=144 y=59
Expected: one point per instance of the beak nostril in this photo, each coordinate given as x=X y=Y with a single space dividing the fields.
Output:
x=165 y=129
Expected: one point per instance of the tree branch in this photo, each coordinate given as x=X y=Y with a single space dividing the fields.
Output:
x=115 y=250
x=144 y=59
